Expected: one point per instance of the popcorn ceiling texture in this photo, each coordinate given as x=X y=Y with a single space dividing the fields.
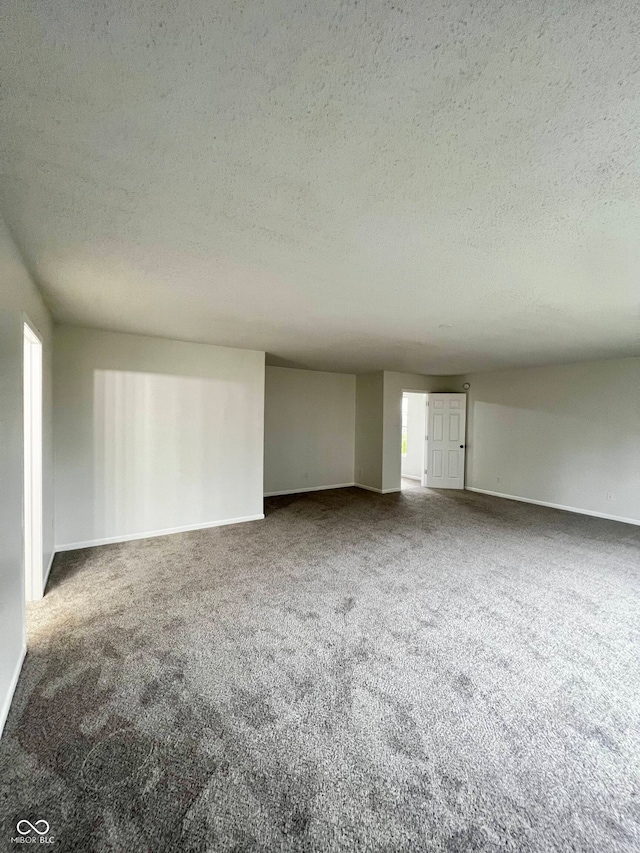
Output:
x=420 y=186
x=422 y=671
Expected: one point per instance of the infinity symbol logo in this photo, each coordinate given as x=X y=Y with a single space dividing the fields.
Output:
x=32 y=827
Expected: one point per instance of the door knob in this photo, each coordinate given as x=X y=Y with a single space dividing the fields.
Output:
x=461 y=446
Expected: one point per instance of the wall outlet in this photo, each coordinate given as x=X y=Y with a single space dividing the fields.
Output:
x=609 y=496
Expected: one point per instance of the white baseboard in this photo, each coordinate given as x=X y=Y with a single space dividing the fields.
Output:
x=556 y=506
x=307 y=489
x=130 y=537
x=373 y=489
x=6 y=702
x=410 y=477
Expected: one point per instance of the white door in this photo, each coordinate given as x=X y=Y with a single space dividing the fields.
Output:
x=446 y=427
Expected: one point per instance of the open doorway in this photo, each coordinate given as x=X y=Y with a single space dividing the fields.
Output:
x=32 y=372
x=414 y=431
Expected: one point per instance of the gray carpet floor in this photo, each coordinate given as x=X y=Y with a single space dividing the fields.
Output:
x=422 y=671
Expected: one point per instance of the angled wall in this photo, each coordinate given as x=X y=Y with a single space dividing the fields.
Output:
x=369 y=430
x=19 y=300
x=309 y=426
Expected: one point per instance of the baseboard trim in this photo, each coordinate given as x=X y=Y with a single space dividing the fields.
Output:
x=307 y=489
x=556 y=506
x=373 y=489
x=6 y=704
x=410 y=477
x=130 y=537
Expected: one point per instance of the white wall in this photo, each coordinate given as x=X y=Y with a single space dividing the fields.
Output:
x=308 y=429
x=369 y=430
x=18 y=298
x=413 y=462
x=153 y=435
x=566 y=435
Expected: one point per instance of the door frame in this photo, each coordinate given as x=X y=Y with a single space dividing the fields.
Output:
x=425 y=444
x=403 y=391
x=32 y=382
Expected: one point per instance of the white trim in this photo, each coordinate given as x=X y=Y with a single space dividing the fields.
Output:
x=411 y=477
x=373 y=489
x=6 y=705
x=308 y=489
x=149 y=534
x=32 y=460
x=555 y=506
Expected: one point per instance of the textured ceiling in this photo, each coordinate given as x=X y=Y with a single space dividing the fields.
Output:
x=403 y=185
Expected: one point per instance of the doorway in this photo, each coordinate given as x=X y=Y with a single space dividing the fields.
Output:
x=414 y=425
x=32 y=373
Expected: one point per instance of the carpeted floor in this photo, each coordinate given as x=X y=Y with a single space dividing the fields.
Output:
x=408 y=483
x=422 y=671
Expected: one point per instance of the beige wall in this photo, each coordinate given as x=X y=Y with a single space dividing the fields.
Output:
x=567 y=435
x=153 y=435
x=19 y=298
x=309 y=429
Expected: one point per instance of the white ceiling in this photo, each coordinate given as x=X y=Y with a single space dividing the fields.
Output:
x=363 y=185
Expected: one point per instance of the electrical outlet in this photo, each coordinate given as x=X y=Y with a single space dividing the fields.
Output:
x=609 y=496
